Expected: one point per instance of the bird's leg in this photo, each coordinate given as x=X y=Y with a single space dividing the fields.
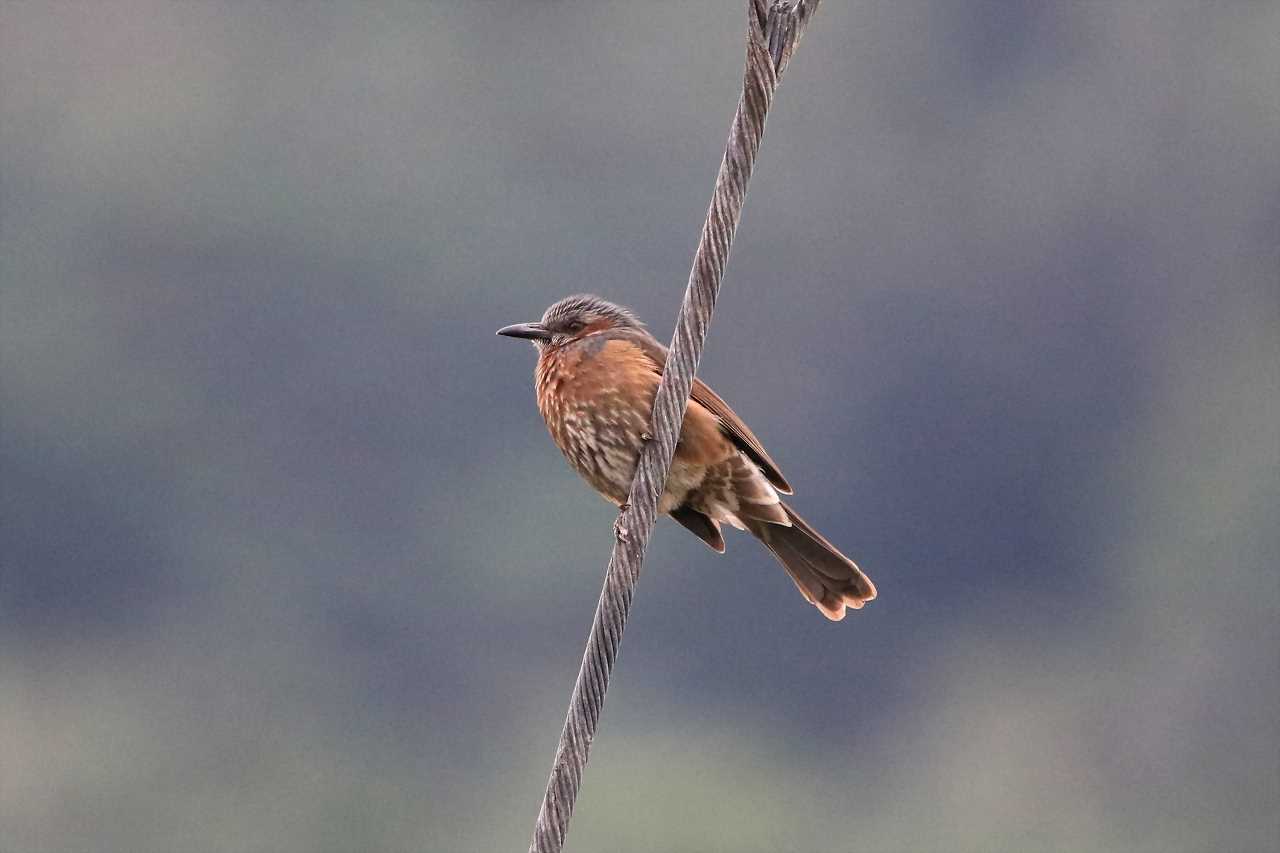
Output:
x=619 y=529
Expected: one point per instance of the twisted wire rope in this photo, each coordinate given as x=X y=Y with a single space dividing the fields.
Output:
x=773 y=31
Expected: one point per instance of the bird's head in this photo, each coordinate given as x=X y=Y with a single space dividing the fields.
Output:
x=572 y=318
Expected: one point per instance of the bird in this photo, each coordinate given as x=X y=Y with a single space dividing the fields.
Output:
x=596 y=378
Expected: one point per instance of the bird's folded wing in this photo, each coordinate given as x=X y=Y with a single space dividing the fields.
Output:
x=737 y=431
x=740 y=434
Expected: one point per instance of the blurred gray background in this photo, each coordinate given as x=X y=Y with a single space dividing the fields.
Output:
x=290 y=563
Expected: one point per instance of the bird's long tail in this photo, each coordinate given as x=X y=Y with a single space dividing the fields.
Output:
x=824 y=576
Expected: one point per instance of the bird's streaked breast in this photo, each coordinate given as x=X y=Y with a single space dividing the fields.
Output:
x=596 y=396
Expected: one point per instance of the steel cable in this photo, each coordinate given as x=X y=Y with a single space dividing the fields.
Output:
x=773 y=31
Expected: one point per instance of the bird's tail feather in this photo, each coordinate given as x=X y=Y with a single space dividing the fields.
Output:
x=824 y=576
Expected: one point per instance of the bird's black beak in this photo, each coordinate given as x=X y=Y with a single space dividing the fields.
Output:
x=531 y=331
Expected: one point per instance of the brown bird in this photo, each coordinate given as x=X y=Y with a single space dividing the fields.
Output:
x=597 y=374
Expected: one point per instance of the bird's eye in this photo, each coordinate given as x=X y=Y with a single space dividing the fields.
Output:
x=574 y=326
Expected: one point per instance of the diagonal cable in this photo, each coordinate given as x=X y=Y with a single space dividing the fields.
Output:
x=773 y=32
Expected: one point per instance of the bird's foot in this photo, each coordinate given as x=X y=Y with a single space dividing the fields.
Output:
x=620 y=529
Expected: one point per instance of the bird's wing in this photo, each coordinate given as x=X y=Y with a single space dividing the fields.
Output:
x=732 y=426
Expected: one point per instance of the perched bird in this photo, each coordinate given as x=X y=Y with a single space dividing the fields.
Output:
x=596 y=378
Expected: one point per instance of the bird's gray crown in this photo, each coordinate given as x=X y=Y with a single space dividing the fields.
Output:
x=585 y=307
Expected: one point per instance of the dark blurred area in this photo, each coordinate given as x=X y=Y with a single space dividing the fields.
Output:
x=290 y=563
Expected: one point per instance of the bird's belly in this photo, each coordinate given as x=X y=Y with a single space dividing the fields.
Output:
x=603 y=445
x=683 y=478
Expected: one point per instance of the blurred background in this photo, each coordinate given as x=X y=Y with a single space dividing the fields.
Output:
x=290 y=563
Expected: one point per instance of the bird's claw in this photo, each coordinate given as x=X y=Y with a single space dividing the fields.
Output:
x=619 y=529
